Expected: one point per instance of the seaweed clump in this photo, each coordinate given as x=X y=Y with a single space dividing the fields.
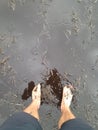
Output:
x=28 y=91
x=54 y=86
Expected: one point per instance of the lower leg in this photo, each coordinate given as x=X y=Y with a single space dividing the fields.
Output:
x=31 y=109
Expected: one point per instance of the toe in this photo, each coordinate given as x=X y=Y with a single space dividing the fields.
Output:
x=67 y=95
x=39 y=88
x=36 y=93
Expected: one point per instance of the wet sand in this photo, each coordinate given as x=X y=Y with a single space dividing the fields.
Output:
x=54 y=43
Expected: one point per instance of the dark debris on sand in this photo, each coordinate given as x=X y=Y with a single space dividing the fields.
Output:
x=51 y=87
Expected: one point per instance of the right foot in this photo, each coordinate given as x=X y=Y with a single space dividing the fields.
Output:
x=66 y=98
x=66 y=113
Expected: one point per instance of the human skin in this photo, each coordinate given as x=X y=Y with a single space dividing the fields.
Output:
x=33 y=108
x=66 y=113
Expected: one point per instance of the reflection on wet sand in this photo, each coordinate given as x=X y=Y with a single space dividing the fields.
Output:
x=52 y=87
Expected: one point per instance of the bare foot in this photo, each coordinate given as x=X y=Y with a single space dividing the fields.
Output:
x=66 y=99
x=66 y=113
x=36 y=96
x=33 y=108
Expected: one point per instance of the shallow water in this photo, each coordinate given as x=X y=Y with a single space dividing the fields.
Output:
x=38 y=36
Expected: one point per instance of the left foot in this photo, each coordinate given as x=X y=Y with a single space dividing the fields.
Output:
x=36 y=97
x=33 y=108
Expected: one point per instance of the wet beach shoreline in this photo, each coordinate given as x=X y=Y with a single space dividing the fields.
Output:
x=54 y=43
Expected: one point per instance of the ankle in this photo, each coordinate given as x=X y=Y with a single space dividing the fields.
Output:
x=67 y=114
x=33 y=112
